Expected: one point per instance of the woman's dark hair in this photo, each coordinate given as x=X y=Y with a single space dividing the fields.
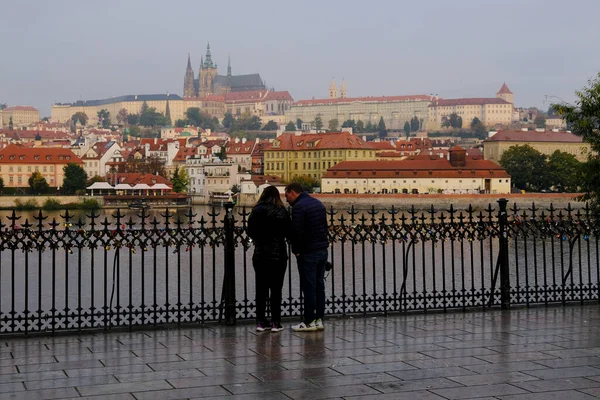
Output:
x=271 y=195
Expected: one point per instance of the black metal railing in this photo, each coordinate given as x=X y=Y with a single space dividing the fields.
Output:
x=93 y=272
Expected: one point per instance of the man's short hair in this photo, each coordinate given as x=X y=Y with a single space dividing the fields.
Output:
x=295 y=187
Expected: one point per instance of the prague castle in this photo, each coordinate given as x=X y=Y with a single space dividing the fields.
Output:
x=210 y=82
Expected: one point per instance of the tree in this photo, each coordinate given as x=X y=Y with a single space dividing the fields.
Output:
x=3 y=106
x=150 y=117
x=81 y=117
x=1 y=185
x=333 y=125
x=318 y=122
x=360 y=126
x=133 y=119
x=299 y=123
x=155 y=165
x=414 y=124
x=93 y=179
x=74 y=179
x=104 y=118
x=122 y=116
x=235 y=189
x=270 y=126
x=290 y=127
x=349 y=123
x=180 y=123
x=582 y=118
x=10 y=123
x=306 y=181
x=540 y=121
x=565 y=172
x=228 y=120
x=407 y=129
x=38 y=184
x=197 y=118
x=527 y=167
x=180 y=180
x=144 y=108
x=248 y=122
x=477 y=126
x=381 y=128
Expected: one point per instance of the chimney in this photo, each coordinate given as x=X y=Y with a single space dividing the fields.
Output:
x=237 y=140
x=243 y=140
x=457 y=156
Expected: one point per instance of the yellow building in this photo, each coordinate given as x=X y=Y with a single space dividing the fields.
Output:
x=21 y=116
x=62 y=112
x=546 y=142
x=395 y=110
x=492 y=112
x=311 y=155
x=17 y=163
x=418 y=174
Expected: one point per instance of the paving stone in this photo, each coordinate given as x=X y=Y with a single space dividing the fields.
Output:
x=47 y=394
x=157 y=375
x=557 y=384
x=418 y=384
x=565 y=372
x=204 y=391
x=416 y=395
x=330 y=392
x=488 y=379
x=129 y=387
x=342 y=380
x=412 y=374
x=238 y=379
x=472 y=392
x=70 y=382
x=560 y=395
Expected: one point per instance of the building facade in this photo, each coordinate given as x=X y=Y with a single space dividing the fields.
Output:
x=17 y=163
x=417 y=175
x=291 y=155
x=492 y=112
x=21 y=116
x=546 y=142
x=395 y=110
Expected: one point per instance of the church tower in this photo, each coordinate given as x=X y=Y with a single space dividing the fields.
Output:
x=229 y=66
x=343 y=91
x=207 y=74
x=188 y=82
x=333 y=92
x=505 y=94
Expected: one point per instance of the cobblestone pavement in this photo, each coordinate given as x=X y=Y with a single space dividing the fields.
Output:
x=522 y=354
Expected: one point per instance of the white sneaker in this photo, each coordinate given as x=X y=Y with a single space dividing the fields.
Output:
x=302 y=327
x=319 y=324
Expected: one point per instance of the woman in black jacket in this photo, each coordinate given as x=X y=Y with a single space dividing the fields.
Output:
x=269 y=226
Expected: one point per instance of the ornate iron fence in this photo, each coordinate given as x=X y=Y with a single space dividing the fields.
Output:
x=90 y=272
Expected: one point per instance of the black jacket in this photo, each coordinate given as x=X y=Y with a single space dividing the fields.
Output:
x=269 y=226
x=309 y=225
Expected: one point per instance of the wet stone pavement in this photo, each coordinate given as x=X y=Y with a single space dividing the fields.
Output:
x=521 y=354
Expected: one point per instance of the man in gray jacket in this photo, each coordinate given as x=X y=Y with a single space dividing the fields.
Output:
x=309 y=244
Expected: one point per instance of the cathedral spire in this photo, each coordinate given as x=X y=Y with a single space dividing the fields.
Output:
x=188 y=81
x=189 y=66
x=343 y=91
x=229 y=66
x=333 y=92
x=168 y=114
x=209 y=63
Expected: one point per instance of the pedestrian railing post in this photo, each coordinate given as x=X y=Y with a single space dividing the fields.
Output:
x=503 y=255
x=229 y=278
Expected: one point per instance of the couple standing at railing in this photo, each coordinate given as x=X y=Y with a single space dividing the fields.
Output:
x=269 y=225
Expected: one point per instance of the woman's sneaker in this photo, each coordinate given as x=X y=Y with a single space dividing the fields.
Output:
x=276 y=327
x=302 y=327
x=262 y=326
x=319 y=324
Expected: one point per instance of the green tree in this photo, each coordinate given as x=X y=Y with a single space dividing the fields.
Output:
x=370 y=127
x=10 y=123
x=477 y=126
x=349 y=123
x=333 y=125
x=95 y=178
x=1 y=185
x=299 y=123
x=81 y=117
x=104 y=118
x=527 y=167
x=150 y=117
x=144 y=108
x=381 y=128
x=270 y=126
x=318 y=122
x=122 y=116
x=194 y=116
x=360 y=126
x=407 y=128
x=414 y=124
x=307 y=182
x=133 y=119
x=75 y=178
x=248 y=122
x=180 y=180
x=565 y=171
x=540 y=121
x=290 y=127
x=228 y=121
x=38 y=184
x=180 y=123
x=235 y=189
x=582 y=118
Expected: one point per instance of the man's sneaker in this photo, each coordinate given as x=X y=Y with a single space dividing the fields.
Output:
x=276 y=327
x=302 y=327
x=319 y=324
x=262 y=326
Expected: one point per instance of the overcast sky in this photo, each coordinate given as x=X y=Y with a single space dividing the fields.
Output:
x=63 y=50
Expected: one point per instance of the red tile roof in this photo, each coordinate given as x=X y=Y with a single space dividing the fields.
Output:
x=239 y=148
x=185 y=152
x=135 y=178
x=475 y=101
x=262 y=179
x=534 y=136
x=17 y=154
x=248 y=96
x=385 y=145
x=20 y=108
x=380 y=99
x=319 y=141
x=284 y=95
x=420 y=167
x=504 y=89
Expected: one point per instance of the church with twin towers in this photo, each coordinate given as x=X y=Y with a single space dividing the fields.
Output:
x=208 y=81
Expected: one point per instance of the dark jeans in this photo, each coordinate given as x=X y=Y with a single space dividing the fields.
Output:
x=269 y=278
x=311 y=267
